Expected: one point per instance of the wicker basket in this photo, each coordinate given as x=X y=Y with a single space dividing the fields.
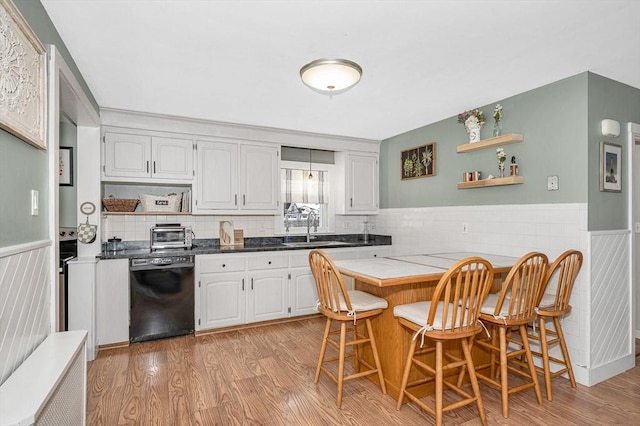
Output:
x=120 y=204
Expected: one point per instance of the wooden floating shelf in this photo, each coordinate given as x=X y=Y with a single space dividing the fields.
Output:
x=147 y=213
x=491 y=142
x=509 y=180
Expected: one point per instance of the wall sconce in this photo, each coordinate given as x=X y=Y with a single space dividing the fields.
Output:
x=610 y=128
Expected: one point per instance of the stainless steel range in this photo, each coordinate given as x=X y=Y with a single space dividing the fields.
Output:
x=67 y=250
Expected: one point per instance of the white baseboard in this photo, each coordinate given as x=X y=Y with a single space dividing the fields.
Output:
x=618 y=366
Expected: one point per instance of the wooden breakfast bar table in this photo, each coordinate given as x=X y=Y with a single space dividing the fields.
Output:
x=406 y=279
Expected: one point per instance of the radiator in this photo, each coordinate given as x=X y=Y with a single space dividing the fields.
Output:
x=49 y=387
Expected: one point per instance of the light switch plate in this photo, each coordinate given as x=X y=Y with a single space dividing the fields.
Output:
x=637 y=228
x=34 y=203
x=552 y=183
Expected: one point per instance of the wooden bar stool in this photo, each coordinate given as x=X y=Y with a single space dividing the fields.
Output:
x=550 y=309
x=512 y=308
x=344 y=307
x=452 y=314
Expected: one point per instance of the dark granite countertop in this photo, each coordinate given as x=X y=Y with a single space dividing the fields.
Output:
x=140 y=249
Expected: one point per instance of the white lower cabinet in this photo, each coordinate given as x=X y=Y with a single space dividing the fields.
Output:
x=234 y=289
x=112 y=301
x=240 y=289
x=222 y=300
x=302 y=292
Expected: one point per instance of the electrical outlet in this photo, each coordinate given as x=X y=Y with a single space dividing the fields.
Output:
x=465 y=228
x=552 y=183
x=637 y=228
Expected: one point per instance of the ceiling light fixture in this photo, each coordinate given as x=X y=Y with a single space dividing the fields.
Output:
x=310 y=174
x=331 y=76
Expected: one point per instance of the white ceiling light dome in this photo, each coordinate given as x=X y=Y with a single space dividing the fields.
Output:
x=331 y=76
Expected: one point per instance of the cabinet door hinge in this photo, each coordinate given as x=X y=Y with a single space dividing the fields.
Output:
x=103 y=139
x=289 y=309
x=199 y=284
x=289 y=276
x=198 y=321
x=193 y=172
x=104 y=169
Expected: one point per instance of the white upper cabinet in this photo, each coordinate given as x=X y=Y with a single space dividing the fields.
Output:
x=143 y=158
x=260 y=177
x=237 y=178
x=217 y=176
x=357 y=189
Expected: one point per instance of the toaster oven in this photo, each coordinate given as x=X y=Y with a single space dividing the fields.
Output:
x=171 y=236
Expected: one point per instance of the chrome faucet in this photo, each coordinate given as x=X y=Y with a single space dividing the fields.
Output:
x=311 y=216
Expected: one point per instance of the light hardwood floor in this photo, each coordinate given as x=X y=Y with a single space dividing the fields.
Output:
x=264 y=376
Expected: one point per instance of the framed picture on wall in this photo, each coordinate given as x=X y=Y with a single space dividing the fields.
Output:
x=66 y=166
x=610 y=167
x=23 y=87
x=418 y=162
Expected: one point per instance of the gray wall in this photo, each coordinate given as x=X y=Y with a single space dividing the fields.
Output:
x=22 y=167
x=614 y=100
x=68 y=195
x=553 y=120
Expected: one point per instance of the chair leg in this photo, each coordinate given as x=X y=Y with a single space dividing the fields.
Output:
x=439 y=385
x=532 y=367
x=466 y=349
x=565 y=351
x=376 y=358
x=405 y=375
x=544 y=349
x=495 y=342
x=356 y=352
x=504 y=384
x=343 y=347
x=323 y=349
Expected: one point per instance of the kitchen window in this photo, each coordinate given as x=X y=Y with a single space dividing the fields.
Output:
x=305 y=199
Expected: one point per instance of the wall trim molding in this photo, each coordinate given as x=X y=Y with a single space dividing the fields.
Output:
x=22 y=248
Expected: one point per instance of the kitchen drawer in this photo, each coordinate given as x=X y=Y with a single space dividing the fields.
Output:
x=299 y=259
x=271 y=261
x=220 y=263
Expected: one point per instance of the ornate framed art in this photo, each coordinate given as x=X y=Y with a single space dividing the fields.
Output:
x=23 y=84
x=418 y=162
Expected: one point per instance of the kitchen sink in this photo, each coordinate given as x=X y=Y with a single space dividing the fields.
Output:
x=315 y=244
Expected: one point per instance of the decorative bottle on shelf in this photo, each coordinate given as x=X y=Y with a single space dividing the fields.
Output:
x=497 y=129
x=513 y=168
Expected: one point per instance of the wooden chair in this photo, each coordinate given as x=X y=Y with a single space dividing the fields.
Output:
x=452 y=314
x=551 y=308
x=512 y=308
x=344 y=307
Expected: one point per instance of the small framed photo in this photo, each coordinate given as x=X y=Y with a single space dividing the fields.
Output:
x=610 y=167
x=65 y=166
x=418 y=162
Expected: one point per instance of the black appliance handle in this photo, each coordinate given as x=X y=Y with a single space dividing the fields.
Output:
x=156 y=267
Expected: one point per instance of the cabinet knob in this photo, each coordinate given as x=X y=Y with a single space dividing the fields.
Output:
x=269 y=262
x=224 y=265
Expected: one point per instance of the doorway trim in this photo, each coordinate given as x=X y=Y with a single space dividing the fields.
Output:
x=65 y=95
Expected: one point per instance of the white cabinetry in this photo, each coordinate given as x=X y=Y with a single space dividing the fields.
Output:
x=112 y=301
x=144 y=158
x=357 y=191
x=237 y=178
x=303 y=295
x=229 y=293
x=233 y=289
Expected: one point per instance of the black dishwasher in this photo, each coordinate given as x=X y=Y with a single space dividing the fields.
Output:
x=162 y=291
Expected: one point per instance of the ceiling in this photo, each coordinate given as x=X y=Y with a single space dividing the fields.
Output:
x=423 y=61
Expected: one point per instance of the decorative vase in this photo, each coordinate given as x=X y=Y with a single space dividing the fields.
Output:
x=497 y=129
x=473 y=127
x=501 y=169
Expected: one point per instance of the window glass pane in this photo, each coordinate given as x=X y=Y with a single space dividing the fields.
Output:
x=304 y=199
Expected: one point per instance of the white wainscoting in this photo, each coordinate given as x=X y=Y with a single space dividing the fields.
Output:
x=25 y=302
x=508 y=230
x=612 y=346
